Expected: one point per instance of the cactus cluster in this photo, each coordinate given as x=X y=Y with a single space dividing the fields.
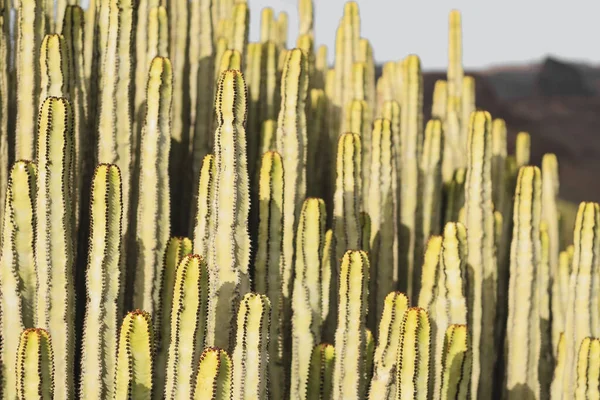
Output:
x=194 y=215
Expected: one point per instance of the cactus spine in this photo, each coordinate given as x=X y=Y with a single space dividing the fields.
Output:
x=54 y=248
x=103 y=283
x=133 y=379
x=213 y=380
x=188 y=325
x=383 y=384
x=229 y=253
x=350 y=341
x=250 y=355
x=35 y=366
x=523 y=325
x=306 y=295
x=481 y=260
x=412 y=371
x=153 y=198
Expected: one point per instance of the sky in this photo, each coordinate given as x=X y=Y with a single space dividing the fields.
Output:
x=494 y=32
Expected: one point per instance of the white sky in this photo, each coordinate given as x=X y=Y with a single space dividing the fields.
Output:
x=495 y=32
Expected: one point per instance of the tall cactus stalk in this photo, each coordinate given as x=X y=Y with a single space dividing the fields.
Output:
x=54 y=248
x=481 y=260
x=17 y=269
x=412 y=371
x=306 y=295
x=582 y=312
x=204 y=220
x=250 y=355
x=133 y=379
x=523 y=325
x=456 y=364
x=523 y=149
x=229 y=248
x=383 y=209
x=188 y=325
x=213 y=380
x=349 y=373
x=153 y=198
x=320 y=377
x=588 y=369
x=104 y=279
x=383 y=384
x=35 y=366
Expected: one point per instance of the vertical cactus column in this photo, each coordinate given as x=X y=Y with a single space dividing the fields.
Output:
x=204 y=221
x=383 y=383
x=268 y=259
x=188 y=325
x=412 y=143
x=133 y=379
x=54 y=252
x=6 y=102
x=54 y=67
x=523 y=149
x=349 y=373
x=30 y=30
x=153 y=197
x=455 y=68
x=479 y=214
x=556 y=389
x=523 y=326
x=412 y=370
x=588 y=369
x=439 y=99
x=582 y=312
x=17 y=269
x=213 y=380
x=250 y=356
x=320 y=376
x=306 y=295
x=35 y=366
x=229 y=248
x=104 y=280
x=456 y=365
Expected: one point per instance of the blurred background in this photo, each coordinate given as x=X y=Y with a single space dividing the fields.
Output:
x=536 y=64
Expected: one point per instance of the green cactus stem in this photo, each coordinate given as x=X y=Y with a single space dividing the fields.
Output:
x=35 y=366
x=204 y=220
x=456 y=364
x=213 y=380
x=320 y=377
x=588 y=369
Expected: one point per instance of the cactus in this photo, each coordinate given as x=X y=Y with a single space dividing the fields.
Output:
x=456 y=364
x=560 y=295
x=481 y=259
x=153 y=197
x=523 y=325
x=250 y=356
x=104 y=277
x=383 y=384
x=35 y=366
x=440 y=98
x=229 y=246
x=588 y=369
x=306 y=295
x=582 y=313
x=320 y=376
x=188 y=325
x=412 y=371
x=523 y=149
x=350 y=339
x=54 y=247
x=556 y=390
x=204 y=221
x=213 y=379
x=133 y=379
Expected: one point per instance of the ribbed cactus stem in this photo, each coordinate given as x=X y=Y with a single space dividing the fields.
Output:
x=455 y=68
x=282 y=22
x=104 y=279
x=560 y=295
x=229 y=248
x=440 y=97
x=134 y=358
x=588 y=369
x=318 y=143
x=54 y=67
x=411 y=144
x=241 y=26
x=30 y=30
x=499 y=194
x=523 y=325
x=546 y=361
x=320 y=377
x=269 y=90
x=213 y=379
x=54 y=248
x=204 y=207
x=358 y=119
x=306 y=295
x=326 y=268
x=153 y=214
x=250 y=356
x=467 y=107
x=456 y=364
x=479 y=221
x=350 y=341
x=582 y=312
x=17 y=269
x=188 y=325
x=383 y=383
x=523 y=149
x=412 y=370
x=35 y=366
x=306 y=16
x=430 y=276
x=455 y=195
x=267 y=25
x=556 y=390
